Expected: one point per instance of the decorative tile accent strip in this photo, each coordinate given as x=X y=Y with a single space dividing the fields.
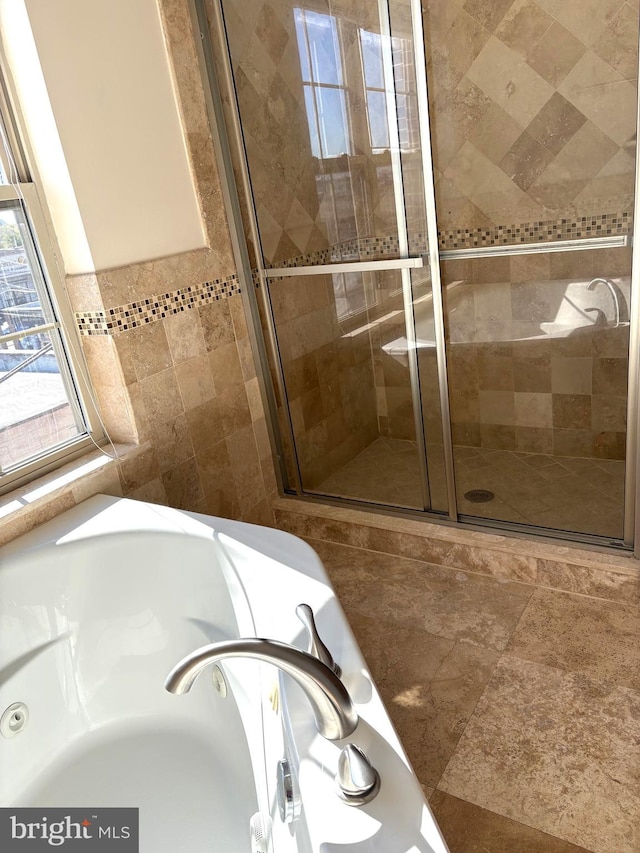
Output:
x=125 y=317
x=360 y=249
x=600 y=225
x=92 y=323
x=379 y=248
x=134 y=314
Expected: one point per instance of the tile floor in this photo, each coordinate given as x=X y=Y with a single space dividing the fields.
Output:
x=582 y=495
x=518 y=706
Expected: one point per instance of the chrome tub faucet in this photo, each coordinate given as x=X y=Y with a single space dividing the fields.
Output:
x=334 y=713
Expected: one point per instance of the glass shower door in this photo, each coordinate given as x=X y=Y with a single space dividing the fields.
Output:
x=328 y=107
x=533 y=112
x=474 y=364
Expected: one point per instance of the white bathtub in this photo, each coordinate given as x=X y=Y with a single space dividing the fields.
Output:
x=501 y=312
x=97 y=605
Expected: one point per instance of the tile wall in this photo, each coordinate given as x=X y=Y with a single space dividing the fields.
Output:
x=533 y=121
x=536 y=361
x=167 y=345
x=328 y=374
x=533 y=109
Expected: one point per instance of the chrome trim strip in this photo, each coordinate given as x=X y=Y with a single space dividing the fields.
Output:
x=631 y=529
x=612 y=242
x=219 y=135
x=434 y=255
x=352 y=266
x=384 y=13
x=414 y=380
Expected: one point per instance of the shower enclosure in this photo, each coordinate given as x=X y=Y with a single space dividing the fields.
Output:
x=434 y=209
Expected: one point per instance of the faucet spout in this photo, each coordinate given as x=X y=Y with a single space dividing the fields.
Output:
x=330 y=702
x=619 y=302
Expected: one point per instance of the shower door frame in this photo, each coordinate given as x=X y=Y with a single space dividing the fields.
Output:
x=222 y=147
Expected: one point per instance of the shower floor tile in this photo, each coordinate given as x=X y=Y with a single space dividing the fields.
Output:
x=564 y=493
x=519 y=706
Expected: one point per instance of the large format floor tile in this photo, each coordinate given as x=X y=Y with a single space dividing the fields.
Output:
x=454 y=604
x=518 y=706
x=581 y=634
x=556 y=750
x=469 y=829
x=430 y=685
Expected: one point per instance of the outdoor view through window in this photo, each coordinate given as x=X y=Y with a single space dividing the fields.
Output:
x=38 y=409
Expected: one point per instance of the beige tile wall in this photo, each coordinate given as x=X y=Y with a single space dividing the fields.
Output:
x=533 y=108
x=515 y=387
x=185 y=384
x=511 y=385
x=269 y=91
x=329 y=375
x=305 y=204
x=131 y=472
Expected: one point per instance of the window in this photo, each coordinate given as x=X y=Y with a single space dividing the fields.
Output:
x=376 y=93
x=42 y=418
x=323 y=81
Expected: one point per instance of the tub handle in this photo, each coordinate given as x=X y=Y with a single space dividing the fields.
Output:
x=357 y=780
x=316 y=647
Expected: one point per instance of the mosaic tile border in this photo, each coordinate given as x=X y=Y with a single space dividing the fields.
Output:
x=584 y=227
x=134 y=314
x=125 y=317
x=549 y=230
x=92 y=323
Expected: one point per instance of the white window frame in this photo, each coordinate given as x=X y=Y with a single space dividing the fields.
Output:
x=409 y=132
x=24 y=193
x=315 y=120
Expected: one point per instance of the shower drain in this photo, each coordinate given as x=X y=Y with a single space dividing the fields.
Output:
x=479 y=496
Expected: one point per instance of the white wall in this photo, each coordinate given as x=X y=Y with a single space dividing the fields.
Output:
x=107 y=74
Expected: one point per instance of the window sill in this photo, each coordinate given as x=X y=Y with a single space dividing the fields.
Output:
x=45 y=497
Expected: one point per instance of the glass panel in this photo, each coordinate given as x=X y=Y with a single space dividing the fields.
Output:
x=372 y=60
x=353 y=292
x=312 y=120
x=404 y=61
x=303 y=43
x=348 y=392
x=311 y=95
x=538 y=360
x=23 y=303
x=533 y=119
x=429 y=387
x=332 y=122
x=318 y=39
x=35 y=413
x=377 y=116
